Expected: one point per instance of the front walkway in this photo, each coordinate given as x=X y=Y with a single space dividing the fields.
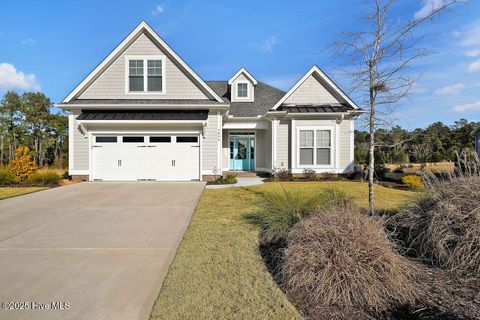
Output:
x=103 y=248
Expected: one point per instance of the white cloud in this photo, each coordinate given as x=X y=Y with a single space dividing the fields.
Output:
x=467 y=107
x=428 y=7
x=268 y=44
x=452 y=90
x=158 y=9
x=473 y=53
x=474 y=66
x=11 y=78
x=29 y=41
x=470 y=36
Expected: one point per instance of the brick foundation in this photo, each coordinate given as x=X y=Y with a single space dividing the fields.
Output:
x=80 y=177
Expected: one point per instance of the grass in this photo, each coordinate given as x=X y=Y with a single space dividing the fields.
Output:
x=9 y=192
x=218 y=272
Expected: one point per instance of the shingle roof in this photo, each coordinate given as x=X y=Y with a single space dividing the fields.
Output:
x=265 y=98
x=314 y=108
x=143 y=115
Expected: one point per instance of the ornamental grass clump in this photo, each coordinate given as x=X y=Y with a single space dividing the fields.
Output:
x=44 y=179
x=442 y=227
x=342 y=265
x=281 y=210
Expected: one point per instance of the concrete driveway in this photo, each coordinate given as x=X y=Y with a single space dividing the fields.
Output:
x=97 y=250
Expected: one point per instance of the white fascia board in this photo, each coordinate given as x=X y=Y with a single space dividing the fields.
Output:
x=142 y=26
x=245 y=72
x=317 y=70
x=140 y=106
x=245 y=125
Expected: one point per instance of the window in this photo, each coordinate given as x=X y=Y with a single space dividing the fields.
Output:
x=146 y=75
x=154 y=75
x=315 y=147
x=306 y=147
x=242 y=90
x=187 y=139
x=133 y=139
x=135 y=75
x=105 y=139
x=160 y=139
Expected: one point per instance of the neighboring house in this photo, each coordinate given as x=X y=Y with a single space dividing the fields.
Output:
x=476 y=135
x=144 y=114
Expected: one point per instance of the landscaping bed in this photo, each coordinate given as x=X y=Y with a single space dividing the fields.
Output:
x=219 y=273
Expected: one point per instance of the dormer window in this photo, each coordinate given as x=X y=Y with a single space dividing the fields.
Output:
x=145 y=74
x=242 y=90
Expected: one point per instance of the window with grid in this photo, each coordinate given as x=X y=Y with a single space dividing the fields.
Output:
x=315 y=147
x=135 y=75
x=242 y=90
x=154 y=75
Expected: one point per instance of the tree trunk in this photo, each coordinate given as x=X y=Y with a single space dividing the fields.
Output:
x=371 y=153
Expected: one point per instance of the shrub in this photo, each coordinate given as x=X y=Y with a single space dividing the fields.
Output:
x=309 y=175
x=6 y=177
x=283 y=175
x=44 y=178
x=22 y=166
x=413 y=182
x=344 y=262
x=280 y=211
x=328 y=176
x=442 y=227
x=228 y=179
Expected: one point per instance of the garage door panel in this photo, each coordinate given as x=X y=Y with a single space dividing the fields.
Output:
x=146 y=161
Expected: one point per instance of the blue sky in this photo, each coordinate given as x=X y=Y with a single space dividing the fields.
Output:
x=52 y=45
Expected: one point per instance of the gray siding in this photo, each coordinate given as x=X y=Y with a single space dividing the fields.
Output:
x=80 y=148
x=311 y=91
x=344 y=144
x=111 y=83
x=283 y=144
x=210 y=143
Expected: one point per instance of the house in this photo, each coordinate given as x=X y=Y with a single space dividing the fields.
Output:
x=144 y=114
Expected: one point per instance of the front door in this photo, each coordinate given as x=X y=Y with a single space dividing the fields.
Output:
x=242 y=153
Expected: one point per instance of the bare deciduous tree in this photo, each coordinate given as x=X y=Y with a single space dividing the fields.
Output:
x=379 y=58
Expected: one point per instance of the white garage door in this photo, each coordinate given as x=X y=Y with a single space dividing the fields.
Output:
x=146 y=157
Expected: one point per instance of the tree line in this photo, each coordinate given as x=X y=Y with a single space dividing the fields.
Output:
x=28 y=120
x=435 y=143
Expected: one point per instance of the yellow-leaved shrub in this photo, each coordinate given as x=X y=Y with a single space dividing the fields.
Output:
x=22 y=166
x=413 y=182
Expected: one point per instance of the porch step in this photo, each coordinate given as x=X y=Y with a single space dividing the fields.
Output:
x=251 y=174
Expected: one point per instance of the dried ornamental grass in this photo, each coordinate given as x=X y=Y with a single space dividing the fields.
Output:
x=344 y=261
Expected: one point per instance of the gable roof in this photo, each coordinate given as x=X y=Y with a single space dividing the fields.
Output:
x=245 y=72
x=143 y=27
x=265 y=98
x=316 y=70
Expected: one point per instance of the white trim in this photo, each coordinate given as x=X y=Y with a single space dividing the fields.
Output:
x=293 y=133
x=352 y=145
x=274 y=142
x=143 y=26
x=219 y=141
x=337 y=144
x=245 y=125
x=333 y=146
x=70 y=142
x=145 y=59
x=140 y=106
x=318 y=71
x=239 y=72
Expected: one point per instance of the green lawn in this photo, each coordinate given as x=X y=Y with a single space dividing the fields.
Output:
x=8 y=192
x=218 y=272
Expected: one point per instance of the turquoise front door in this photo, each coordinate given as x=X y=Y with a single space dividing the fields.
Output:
x=242 y=153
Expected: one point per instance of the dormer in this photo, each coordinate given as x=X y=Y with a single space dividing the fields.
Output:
x=242 y=86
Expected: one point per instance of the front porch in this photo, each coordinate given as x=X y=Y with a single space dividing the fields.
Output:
x=246 y=152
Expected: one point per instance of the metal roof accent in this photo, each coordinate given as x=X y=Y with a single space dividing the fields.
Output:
x=139 y=115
